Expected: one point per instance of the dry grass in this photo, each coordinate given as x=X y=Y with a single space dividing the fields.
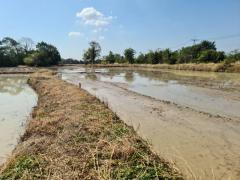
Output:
x=72 y=135
x=210 y=67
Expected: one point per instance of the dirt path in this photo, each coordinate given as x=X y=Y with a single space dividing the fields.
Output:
x=201 y=145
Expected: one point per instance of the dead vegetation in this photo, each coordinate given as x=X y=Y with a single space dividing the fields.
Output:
x=72 y=135
x=209 y=67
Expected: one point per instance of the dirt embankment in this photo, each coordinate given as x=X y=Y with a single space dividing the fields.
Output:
x=209 y=67
x=17 y=70
x=72 y=135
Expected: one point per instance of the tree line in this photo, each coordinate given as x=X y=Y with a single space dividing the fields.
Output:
x=203 y=52
x=24 y=52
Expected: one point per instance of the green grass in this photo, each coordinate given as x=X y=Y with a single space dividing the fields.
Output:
x=22 y=165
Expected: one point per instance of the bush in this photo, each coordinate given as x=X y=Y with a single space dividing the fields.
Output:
x=211 y=56
x=234 y=56
x=28 y=61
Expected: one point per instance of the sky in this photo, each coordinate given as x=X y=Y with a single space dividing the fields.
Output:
x=119 y=24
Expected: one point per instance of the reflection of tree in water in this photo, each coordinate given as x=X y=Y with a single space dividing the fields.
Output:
x=129 y=77
x=12 y=85
x=91 y=76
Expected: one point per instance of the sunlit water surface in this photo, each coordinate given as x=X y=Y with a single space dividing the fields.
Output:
x=16 y=102
x=202 y=91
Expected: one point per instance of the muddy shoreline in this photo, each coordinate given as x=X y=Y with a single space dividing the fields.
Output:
x=73 y=135
x=17 y=70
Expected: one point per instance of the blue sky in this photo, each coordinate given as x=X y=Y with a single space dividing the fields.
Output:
x=119 y=24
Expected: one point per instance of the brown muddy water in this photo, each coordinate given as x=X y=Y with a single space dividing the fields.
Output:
x=16 y=102
x=192 y=119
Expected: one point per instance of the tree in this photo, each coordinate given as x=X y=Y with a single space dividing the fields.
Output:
x=129 y=55
x=166 y=56
x=92 y=52
x=11 y=52
x=110 y=58
x=141 y=59
x=207 y=45
x=211 y=56
x=27 y=44
x=185 y=55
x=234 y=56
x=119 y=58
x=154 y=57
x=45 y=55
x=48 y=54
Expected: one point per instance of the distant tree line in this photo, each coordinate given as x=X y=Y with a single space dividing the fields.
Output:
x=70 y=61
x=23 y=52
x=204 y=52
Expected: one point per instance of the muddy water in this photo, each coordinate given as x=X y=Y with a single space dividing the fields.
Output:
x=202 y=145
x=16 y=102
x=217 y=94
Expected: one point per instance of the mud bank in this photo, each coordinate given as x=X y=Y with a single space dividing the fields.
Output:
x=18 y=70
x=202 y=145
x=72 y=135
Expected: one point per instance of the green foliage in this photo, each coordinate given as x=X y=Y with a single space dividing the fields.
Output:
x=119 y=58
x=47 y=54
x=233 y=56
x=70 y=61
x=205 y=49
x=154 y=57
x=29 y=60
x=120 y=129
x=110 y=58
x=13 y=53
x=129 y=55
x=92 y=52
x=22 y=165
x=141 y=59
x=211 y=56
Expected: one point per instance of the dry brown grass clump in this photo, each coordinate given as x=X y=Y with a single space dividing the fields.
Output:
x=72 y=135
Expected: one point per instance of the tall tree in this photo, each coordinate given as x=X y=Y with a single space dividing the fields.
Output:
x=49 y=52
x=92 y=53
x=110 y=58
x=27 y=43
x=129 y=55
x=11 y=52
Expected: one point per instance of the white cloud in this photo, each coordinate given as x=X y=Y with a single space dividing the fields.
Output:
x=90 y=16
x=75 y=34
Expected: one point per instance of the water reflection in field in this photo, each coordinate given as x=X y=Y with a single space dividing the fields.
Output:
x=201 y=91
x=16 y=102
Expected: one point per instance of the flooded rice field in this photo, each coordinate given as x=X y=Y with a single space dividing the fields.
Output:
x=191 y=118
x=16 y=102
